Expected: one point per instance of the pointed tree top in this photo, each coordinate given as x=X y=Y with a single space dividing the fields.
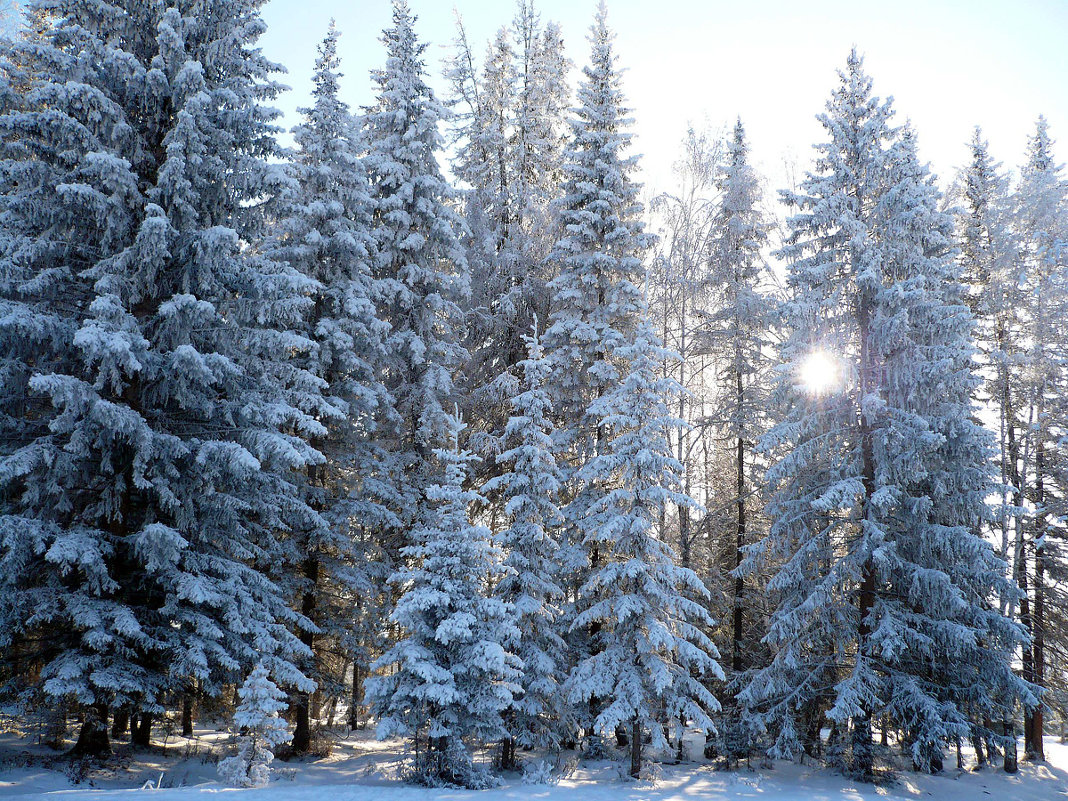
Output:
x=855 y=80
x=738 y=145
x=855 y=61
x=328 y=59
x=601 y=35
x=1040 y=148
x=400 y=39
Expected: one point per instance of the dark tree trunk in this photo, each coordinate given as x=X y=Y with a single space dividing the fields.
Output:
x=635 y=748
x=863 y=755
x=141 y=733
x=1037 y=750
x=684 y=535
x=187 y=714
x=508 y=760
x=93 y=738
x=977 y=746
x=331 y=711
x=737 y=664
x=121 y=723
x=1020 y=568
x=1011 y=765
x=302 y=700
x=993 y=750
x=357 y=695
x=1027 y=621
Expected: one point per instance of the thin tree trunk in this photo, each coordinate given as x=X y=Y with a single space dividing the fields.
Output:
x=1019 y=550
x=357 y=695
x=863 y=756
x=187 y=714
x=977 y=747
x=680 y=450
x=301 y=699
x=684 y=533
x=1037 y=749
x=635 y=748
x=1026 y=620
x=1011 y=470
x=739 y=543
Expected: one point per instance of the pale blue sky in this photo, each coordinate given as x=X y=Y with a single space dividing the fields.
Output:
x=950 y=64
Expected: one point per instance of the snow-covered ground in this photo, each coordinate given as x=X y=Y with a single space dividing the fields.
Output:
x=361 y=769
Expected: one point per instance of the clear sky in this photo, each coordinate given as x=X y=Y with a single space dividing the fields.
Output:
x=949 y=64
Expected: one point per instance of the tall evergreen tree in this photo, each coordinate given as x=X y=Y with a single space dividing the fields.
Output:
x=539 y=137
x=149 y=428
x=988 y=265
x=634 y=626
x=739 y=329
x=419 y=261
x=740 y=325
x=648 y=648
x=485 y=165
x=508 y=135
x=530 y=489
x=988 y=252
x=1041 y=225
x=885 y=585
x=325 y=234
x=597 y=301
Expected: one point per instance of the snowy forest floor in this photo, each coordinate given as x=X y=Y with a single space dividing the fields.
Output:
x=362 y=769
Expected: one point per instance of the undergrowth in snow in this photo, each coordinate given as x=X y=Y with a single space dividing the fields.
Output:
x=360 y=768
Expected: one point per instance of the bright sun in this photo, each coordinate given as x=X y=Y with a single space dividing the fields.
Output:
x=819 y=372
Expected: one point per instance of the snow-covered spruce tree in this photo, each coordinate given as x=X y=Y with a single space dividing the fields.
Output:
x=596 y=296
x=483 y=159
x=988 y=264
x=648 y=649
x=885 y=588
x=507 y=131
x=988 y=252
x=739 y=328
x=418 y=262
x=941 y=526
x=539 y=136
x=596 y=304
x=485 y=106
x=530 y=490
x=260 y=730
x=450 y=676
x=1041 y=227
x=325 y=234
x=148 y=428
